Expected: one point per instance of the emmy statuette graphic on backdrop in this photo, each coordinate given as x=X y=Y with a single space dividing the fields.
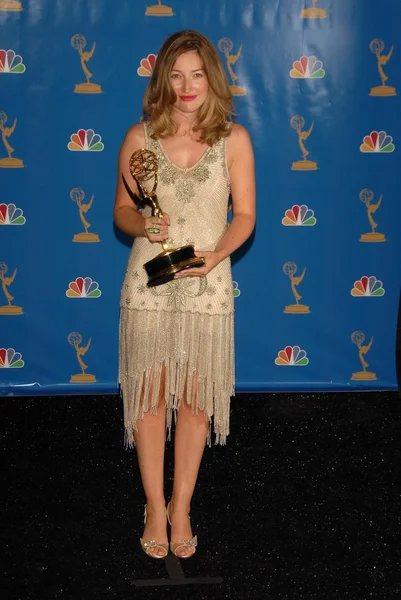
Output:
x=75 y=339
x=313 y=12
x=366 y=196
x=377 y=46
x=159 y=10
x=9 y=308
x=290 y=269
x=6 y=132
x=77 y=195
x=143 y=166
x=10 y=6
x=225 y=46
x=78 y=42
x=297 y=123
x=358 y=337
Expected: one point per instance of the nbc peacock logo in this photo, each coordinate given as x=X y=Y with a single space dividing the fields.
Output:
x=11 y=215
x=85 y=140
x=292 y=356
x=159 y=10
x=307 y=67
x=83 y=287
x=368 y=287
x=236 y=290
x=10 y=359
x=147 y=65
x=10 y=62
x=10 y=6
x=377 y=141
x=299 y=216
x=75 y=339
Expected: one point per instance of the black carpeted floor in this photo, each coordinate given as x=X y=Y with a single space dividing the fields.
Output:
x=303 y=503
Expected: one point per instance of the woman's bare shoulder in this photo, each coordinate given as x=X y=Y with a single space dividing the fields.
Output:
x=238 y=142
x=238 y=133
x=135 y=136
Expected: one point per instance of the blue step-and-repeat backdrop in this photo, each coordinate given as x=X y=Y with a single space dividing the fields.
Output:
x=317 y=84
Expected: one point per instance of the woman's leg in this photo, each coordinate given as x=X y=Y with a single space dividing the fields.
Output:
x=189 y=443
x=150 y=444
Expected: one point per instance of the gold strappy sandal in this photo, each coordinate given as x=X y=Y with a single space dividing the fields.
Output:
x=189 y=543
x=147 y=545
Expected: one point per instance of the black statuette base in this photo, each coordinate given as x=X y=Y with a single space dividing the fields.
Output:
x=163 y=267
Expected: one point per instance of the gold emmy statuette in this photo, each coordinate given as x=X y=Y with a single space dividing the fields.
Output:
x=77 y=195
x=290 y=269
x=159 y=10
x=79 y=42
x=9 y=162
x=367 y=196
x=8 y=309
x=143 y=166
x=377 y=46
x=10 y=6
x=298 y=123
x=358 y=337
x=313 y=13
x=225 y=46
x=75 y=339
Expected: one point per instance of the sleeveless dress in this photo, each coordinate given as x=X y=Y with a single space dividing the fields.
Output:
x=186 y=324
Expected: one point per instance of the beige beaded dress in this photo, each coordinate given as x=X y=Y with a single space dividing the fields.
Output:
x=186 y=324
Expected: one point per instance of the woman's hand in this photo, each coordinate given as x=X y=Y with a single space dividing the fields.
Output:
x=211 y=260
x=156 y=228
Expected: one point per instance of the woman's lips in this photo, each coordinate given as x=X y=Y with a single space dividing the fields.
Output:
x=187 y=98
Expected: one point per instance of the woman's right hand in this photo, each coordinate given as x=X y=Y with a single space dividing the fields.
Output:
x=151 y=224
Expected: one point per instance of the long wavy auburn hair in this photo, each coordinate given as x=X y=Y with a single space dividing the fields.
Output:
x=214 y=114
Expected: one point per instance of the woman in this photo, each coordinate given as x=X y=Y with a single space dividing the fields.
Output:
x=176 y=340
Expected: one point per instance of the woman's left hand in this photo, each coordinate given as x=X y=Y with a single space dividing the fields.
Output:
x=211 y=260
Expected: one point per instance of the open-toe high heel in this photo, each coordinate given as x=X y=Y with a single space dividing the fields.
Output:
x=148 y=545
x=189 y=544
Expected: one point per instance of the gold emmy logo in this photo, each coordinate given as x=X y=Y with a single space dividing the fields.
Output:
x=290 y=269
x=159 y=10
x=10 y=5
x=313 y=13
x=6 y=132
x=297 y=123
x=9 y=309
x=366 y=196
x=75 y=339
x=225 y=46
x=377 y=46
x=77 y=195
x=78 y=42
x=358 y=337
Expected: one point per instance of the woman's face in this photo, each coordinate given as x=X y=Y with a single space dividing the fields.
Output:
x=189 y=81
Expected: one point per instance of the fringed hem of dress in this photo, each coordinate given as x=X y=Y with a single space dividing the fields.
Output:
x=187 y=344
